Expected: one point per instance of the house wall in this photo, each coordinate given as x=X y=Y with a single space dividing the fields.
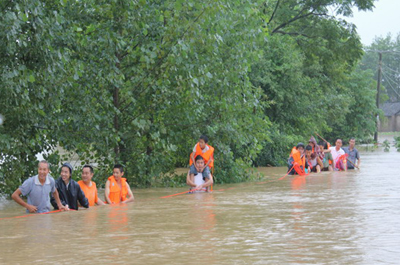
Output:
x=389 y=124
x=384 y=124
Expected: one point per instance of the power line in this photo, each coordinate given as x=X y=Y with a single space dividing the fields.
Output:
x=378 y=51
x=395 y=71
x=390 y=84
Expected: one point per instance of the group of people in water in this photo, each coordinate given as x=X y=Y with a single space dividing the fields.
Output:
x=66 y=193
x=322 y=157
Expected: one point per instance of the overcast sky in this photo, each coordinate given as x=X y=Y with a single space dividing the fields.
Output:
x=384 y=18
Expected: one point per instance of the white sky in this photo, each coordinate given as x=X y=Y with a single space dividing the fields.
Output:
x=384 y=18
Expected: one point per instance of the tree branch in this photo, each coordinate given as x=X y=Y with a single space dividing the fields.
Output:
x=273 y=13
x=297 y=17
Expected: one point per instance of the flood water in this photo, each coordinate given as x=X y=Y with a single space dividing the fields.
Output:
x=328 y=218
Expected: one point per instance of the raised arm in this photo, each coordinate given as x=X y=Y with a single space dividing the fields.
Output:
x=192 y=157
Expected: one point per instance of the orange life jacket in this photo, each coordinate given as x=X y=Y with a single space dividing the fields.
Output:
x=301 y=161
x=117 y=194
x=206 y=156
x=297 y=157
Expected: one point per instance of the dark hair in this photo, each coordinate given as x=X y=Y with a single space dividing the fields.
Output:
x=120 y=167
x=309 y=148
x=352 y=138
x=299 y=145
x=68 y=165
x=325 y=145
x=199 y=157
x=322 y=143
x=204 y=138
x=90 y=167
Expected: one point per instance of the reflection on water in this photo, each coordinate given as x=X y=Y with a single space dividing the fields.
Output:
x=327 y=218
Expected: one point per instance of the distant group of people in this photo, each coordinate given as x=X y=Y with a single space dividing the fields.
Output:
x=322 y=157
x=66 y=193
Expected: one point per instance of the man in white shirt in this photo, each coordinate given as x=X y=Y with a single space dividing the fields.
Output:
x=337 y=152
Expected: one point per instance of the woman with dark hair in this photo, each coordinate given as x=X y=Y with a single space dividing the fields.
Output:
x=69 y=190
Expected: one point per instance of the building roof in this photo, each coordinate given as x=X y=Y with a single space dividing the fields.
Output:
x=391 y=108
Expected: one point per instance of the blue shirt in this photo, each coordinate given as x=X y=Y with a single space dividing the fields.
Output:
x=38 y=194
x=353 y=155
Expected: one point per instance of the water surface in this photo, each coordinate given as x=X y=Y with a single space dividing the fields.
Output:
x=328 y=218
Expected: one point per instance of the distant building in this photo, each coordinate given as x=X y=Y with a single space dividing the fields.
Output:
x=391 y=122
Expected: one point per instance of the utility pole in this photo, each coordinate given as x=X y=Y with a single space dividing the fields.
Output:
x=377 y=95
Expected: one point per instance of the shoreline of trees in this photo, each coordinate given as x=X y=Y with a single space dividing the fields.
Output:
x=137 y=82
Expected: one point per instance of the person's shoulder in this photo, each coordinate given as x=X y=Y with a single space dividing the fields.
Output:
x=32 y=178
x=74 y=182
x=29 y=180
x=52 y=180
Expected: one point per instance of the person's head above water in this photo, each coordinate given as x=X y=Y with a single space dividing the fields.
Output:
x=118 y=172
x=203 y=140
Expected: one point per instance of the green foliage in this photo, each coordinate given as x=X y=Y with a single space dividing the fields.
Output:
x=390 y=68
x=308 y=78
x=129 y=82
x=357 y=120
x=137 y=82
x=386 y=145
x=397 y=143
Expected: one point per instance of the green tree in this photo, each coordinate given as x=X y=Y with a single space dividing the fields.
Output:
x=138 y=82
x=309 y=56
x=31 y=86
x=389 y=48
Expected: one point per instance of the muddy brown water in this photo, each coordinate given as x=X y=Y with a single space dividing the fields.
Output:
x=329 y=218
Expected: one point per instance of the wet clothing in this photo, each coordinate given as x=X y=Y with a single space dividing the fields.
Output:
x=117 y=193
x=38 y=194
x=353 y=156
x=316 y=150
x=207 y=153
x=70 y=195
x=90 y=192
x=325 y=160
x=205 y=173
x=295 y=157
x=336 y=154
